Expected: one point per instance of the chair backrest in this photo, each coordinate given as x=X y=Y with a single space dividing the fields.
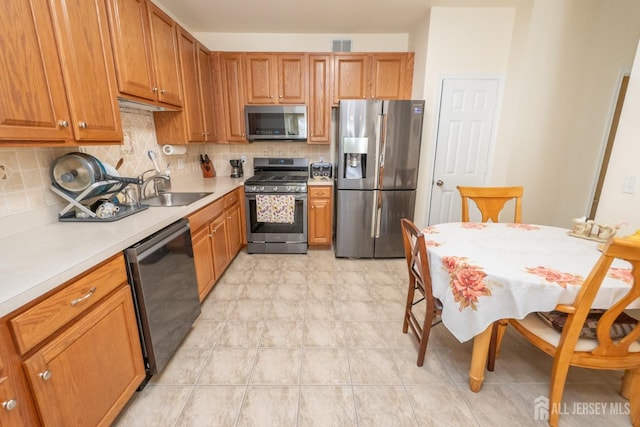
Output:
x=415 y=250
x=490 y=201
x=628 y=250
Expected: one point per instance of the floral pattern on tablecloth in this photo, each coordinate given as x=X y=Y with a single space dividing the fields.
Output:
x=527 y=227
x=623 y=274
x=473 y=225
x=432 y=229
x=554 y=276
x=467 y=281
x=431 y=243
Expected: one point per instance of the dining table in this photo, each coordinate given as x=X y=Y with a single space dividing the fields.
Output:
x=486 y=272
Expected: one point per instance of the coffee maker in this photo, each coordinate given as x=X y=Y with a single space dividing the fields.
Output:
x=236 y=168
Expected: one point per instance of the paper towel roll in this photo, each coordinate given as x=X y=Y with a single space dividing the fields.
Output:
x=174 y=150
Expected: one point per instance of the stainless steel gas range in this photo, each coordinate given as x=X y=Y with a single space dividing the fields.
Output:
x=276 y=205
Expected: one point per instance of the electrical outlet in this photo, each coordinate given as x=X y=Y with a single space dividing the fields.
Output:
x=180 y=164
x=3 y=172
x=629 y=185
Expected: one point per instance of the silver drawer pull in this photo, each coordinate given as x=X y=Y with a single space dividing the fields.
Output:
x=84 y=297
x=45 y=375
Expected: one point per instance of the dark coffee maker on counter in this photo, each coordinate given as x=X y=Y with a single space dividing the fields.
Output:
x=236 y=168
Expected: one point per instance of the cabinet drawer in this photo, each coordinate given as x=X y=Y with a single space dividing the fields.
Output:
x=321 y=192
x=231 y=198
x=46 y=317
x=205 y=215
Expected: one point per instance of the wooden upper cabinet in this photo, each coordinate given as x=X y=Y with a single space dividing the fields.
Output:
x=391 y=76
x=129 y=21
x=192 y=111
x=164 y=45
x=351 y=75
x=33 y=102
x=275 y=78
x=206 y=94
x=319 y=114
x=232 y=78
x=372 y=76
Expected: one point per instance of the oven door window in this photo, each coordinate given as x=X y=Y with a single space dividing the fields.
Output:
x=265 y=228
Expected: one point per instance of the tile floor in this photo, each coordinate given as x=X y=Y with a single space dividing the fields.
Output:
x=311 y=340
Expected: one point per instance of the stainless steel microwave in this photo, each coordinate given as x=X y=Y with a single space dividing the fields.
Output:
x=276 y=122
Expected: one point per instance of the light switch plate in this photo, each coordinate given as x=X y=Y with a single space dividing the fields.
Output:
x=629 y=186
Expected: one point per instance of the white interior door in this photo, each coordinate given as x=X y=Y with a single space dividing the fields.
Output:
x=465 y=131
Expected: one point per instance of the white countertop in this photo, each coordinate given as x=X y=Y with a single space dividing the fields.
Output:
x=36 y=261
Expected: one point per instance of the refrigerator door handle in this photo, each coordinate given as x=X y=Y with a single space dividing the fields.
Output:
x=383 y=145
x=374 y=214
x=378 y=218
x=376 y=178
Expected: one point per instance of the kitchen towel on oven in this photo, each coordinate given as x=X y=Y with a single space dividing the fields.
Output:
x=275 y=208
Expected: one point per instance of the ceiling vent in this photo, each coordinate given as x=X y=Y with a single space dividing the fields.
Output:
x=341 y=46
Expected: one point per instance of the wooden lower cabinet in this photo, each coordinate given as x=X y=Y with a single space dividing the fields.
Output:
x=217 y=236
x=86 y=375
x=320 y=209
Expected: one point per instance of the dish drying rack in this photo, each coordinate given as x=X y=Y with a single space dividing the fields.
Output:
x=114 y=185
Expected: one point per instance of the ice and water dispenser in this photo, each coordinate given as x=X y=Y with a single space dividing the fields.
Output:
x=355 y=157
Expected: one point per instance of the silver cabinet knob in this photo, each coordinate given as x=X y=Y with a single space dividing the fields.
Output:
x=154 y=89
x=46 y=375
x=82 y=125
x=10 y=404
x=439 y=183
x=63 y=123
x=163 y=91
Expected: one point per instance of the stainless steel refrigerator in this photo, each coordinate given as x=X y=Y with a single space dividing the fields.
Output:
x=378 y=151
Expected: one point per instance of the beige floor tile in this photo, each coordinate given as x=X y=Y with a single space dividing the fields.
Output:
x=237 y=333
x=323 y=291
x=324 y=366
x=373 y=366
x=263 y=277
x=276 y=366
x=212 y=406
x=360 y=310
x=235 y=274
x=440 y=406
x=364 y=335
x=250 y=309
x=383 y=406
x=268 y=263
x=321 y=333
x=296 y=264
x=290 y=292
x=269 y=407
x=395 y=338
x=391 y=310
x=323 y=309
x=389 y=293
x=286 y=310
x=322 y=275
x=292 y=277
x=204 y=334
x=184 y=367
x=212 y=309
x=263 y=291
x=383 y=277
x=356 y=291
x=228 y=366
x=156 y=405
x=432 y=371
x=498 y=405
x=322 y=406
x=222 y=291
x=282 y=333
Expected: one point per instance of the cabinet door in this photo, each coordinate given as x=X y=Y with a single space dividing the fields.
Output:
x=260 y=79
x=203 y=257
x=89 y=73
x=234 y=229
x=86 y=375
x=292 y=78
x=351 y=74
x=188 y=48
x=164 y=43
x=206 y=94
x=233 y=96
x=319 y=98
x=320 y=216
x=219 y=244
x=388 y=76
x=129 y=22
x=33 y=102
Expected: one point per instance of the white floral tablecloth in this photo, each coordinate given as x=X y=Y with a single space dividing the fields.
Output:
x=483 y=272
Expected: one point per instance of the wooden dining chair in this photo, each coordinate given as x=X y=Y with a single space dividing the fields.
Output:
x=415 y=250
x=490 y=201
x=568 y=347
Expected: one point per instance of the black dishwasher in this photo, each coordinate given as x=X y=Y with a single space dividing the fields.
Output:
x=162 y=274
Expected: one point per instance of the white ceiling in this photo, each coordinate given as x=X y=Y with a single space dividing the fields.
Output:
x=308 y=16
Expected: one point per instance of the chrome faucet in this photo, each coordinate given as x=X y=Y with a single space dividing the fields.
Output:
x=161 y=181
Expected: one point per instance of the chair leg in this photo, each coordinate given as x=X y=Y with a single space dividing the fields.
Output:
x=424 y=339
x=556 y=388
x=497 y=334
x=407 y=309
x=631 y=390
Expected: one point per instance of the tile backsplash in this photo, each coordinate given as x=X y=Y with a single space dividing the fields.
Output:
x=24 y=172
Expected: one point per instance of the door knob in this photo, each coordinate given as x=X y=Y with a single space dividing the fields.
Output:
x=439 y=183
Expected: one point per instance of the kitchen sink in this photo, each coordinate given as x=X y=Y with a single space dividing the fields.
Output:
x=173 y=198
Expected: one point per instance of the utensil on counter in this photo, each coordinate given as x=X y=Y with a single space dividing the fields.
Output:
x=208 y=171
x=152 y=155
x=119 y=163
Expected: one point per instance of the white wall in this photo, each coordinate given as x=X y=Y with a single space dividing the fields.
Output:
x=257 y=42
x=461 y=42
x=615 y=206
